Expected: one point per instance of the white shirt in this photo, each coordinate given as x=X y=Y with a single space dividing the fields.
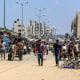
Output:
x=25 y=47
x=3 y=45
x=64 y=48
x=47 y=47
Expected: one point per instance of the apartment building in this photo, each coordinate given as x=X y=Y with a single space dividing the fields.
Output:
x=37 y=29
x=33 y=30
x=17 y=27
x=48 y=32
x=75 y=26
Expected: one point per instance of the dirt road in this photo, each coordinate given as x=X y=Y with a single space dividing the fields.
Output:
x=28 y=69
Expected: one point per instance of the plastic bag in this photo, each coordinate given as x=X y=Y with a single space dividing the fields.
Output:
x=44 y=57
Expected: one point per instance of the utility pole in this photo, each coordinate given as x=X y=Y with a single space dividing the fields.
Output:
x=40 y=11
x=22 y=4
x=4 y=16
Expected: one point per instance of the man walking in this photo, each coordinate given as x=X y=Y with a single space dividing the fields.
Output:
x=70 y=49
x=3 y=47
x=57 y=48
x=47 y=48
x=40 y=51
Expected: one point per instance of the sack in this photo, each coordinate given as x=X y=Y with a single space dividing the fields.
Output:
x=44 y=58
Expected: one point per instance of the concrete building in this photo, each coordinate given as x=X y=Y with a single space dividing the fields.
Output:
x=32 y=30
x=75 y=26
x=35 y=29
x=17 y=27
x=44 y=31
x=48 y=32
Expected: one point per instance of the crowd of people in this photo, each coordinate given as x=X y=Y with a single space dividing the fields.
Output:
x=15 y=48
x=60 y=50
x=66 y=50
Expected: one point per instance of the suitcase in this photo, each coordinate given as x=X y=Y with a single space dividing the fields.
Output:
x=9 y=57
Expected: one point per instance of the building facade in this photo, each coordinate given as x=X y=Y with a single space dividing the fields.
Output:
x=33 y=30
x=17 y=27
x=48 y=32
x=37 y=29
x=75 y=26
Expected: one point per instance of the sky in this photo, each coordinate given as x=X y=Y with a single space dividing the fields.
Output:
x=59 y=13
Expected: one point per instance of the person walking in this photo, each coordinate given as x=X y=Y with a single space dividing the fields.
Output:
x=40 y=51
x=25 y=49
x=57 y=48
x=64 y=51
x=11 y=53
x=28 y=49
x=47 y=48
x=70 y=50
x=3 y=47
x=34 y=49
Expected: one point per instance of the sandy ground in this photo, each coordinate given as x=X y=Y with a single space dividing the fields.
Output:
x=28 y=69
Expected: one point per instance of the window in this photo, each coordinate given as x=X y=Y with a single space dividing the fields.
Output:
x=28 y=30
x=28 y=35
x=19 y=25
x=40 y=24
x=37 y=30
x=19 y=30
x=37 y=25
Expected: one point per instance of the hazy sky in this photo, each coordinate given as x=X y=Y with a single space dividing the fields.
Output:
x=59 y=13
